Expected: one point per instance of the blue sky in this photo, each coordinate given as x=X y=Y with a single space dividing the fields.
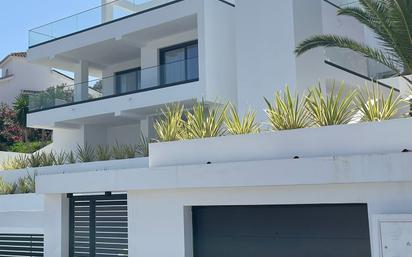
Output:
x=18 y=17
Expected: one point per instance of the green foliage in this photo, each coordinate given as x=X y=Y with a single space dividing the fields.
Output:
x=28 y=147
x=129 y=151
x=60 y=158
x=6 y=188
x=18 y=162
x=21 y=107
x=390 y=20
x=35 y=160
x=170 y=126
x=103 y=153
x=71 y=158
x=204 y=122
x=374 y=106
x=86 y=153
x=27 y=184
x=332 y=109
x=237 y=126
x=142 y=148
x=49 y=97
x=287 y=112
x=118 y=151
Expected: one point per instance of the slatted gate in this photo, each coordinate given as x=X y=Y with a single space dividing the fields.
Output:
x=21 y=245
x=98 y=225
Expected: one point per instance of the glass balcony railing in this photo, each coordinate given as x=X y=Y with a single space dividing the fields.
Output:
x=128 y=82
x=113 y=10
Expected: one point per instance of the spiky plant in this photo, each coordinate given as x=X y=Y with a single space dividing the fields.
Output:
x=60 y=158
x=27 y=184
x=35 y=160
x=390 y=20
x=86 y=153
x=142 y=148
x=335 y=108
x=204 y=122
x=71 y=158
x=374 y=106
x=287 y=112
x=117 y=151
x=238 y=126
x=18 y=162
x=169 y=127
x=7 y=188
x=129 y=151
x=103 y=153
x=47 y=159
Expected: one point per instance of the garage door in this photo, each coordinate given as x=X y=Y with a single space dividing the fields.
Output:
x=281 y=231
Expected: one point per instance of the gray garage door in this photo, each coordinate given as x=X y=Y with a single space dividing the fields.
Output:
x=281 y=231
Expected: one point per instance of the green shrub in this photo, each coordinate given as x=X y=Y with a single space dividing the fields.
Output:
x=103 y=153
x=71 y=158
x=374 y=106
x=287 y=112
x=142 y=148
x=170 y=126
x=18 y=162
x=332 y=109
x=237 y=126
x=7 y=188
x=28 y=147
x=27 y=184
x=118 y=151
x=85 y=153
x=204 y=122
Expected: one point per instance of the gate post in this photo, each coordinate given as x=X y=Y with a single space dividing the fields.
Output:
x=56 y=225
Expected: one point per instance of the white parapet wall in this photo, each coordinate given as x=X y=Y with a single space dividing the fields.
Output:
x=362 y=138
x=22 y=214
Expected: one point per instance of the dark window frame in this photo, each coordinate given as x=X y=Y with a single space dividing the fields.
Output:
x=164 y=50
x=117 y=75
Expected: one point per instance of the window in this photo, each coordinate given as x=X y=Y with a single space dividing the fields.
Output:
x=127 y=81
x=179 y=63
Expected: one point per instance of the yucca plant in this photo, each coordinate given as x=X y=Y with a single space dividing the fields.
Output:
x=129 y=151
x=204 y=122
x=118 y=151
x=27 y=184
x=7 y=188
x=60 y=158
x=103 y=153
x=142 y=148
x=169 y=127
x=71 y=158
x=34 y=160
x=47 y=159
x=18 y=162
x=238 y=126
x=335 y=108
x=374 y=106
x=287 y=112
x=85 y=153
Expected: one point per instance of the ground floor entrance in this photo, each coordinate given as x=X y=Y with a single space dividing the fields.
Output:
x=281 y=231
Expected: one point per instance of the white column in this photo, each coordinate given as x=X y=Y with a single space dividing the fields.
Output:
x=81 y=78
x=107 y=10
x=56 y=225
x=149 y=64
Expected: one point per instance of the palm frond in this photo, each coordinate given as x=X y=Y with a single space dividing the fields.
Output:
x=347 y=43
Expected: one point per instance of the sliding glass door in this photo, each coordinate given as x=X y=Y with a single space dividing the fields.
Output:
x=179 y=63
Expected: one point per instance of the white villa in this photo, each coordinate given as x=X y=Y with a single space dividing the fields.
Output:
x=17 y=75
x=335 y=191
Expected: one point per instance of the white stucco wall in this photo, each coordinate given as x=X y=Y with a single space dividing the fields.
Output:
x=27 y=76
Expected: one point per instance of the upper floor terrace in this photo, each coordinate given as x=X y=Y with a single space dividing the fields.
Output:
x=134 y=56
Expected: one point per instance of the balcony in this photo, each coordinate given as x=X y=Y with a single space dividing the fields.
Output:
x=123 y=83
x=110 y=11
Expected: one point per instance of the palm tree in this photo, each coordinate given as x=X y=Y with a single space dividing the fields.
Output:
x=390 y=20
x=21 y=107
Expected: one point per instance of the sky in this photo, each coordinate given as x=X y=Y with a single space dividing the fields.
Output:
x=18 y=17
